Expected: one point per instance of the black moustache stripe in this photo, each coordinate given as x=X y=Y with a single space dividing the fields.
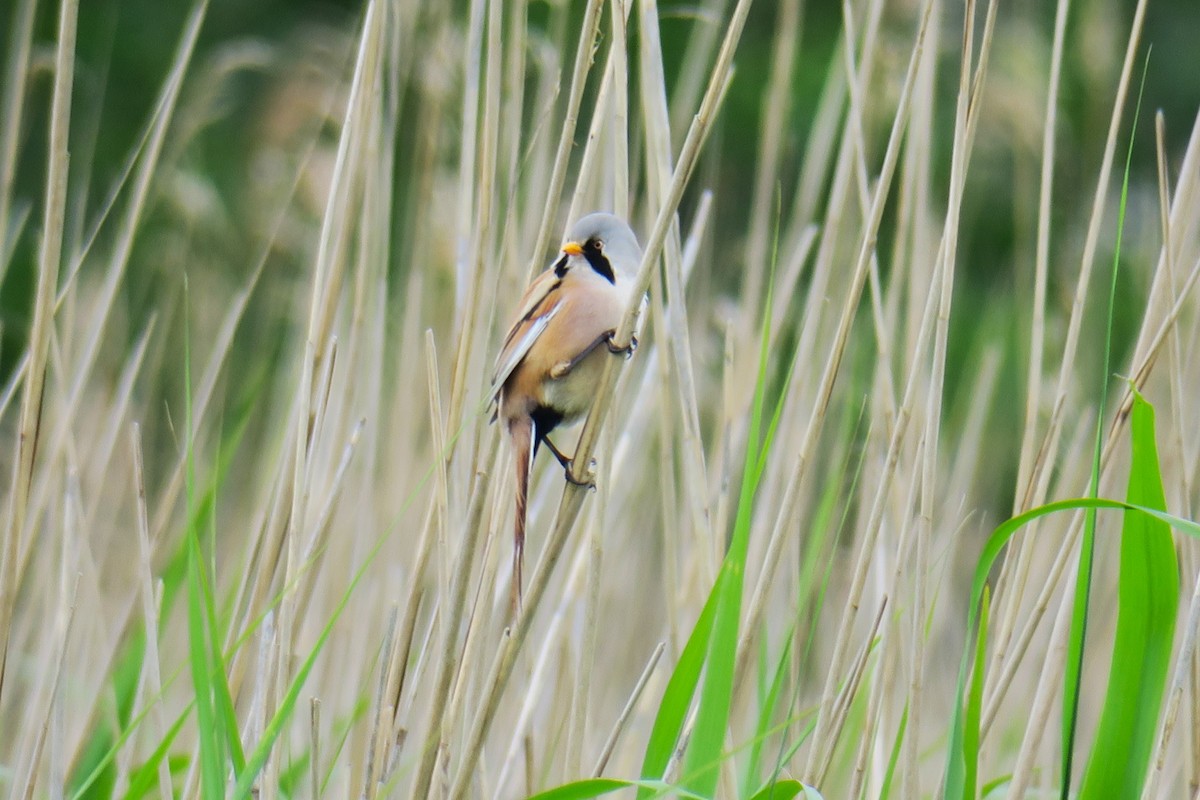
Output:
x=599 y=262
x=560 y=268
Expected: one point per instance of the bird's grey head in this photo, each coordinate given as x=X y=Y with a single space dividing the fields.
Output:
x=607 y=245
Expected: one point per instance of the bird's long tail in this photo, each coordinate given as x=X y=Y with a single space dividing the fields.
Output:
x=522 y=438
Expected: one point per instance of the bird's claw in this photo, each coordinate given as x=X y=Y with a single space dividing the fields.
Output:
x=618 y=350
x=587 y=482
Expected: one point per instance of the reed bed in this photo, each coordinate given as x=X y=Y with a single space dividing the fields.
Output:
x=257 y=521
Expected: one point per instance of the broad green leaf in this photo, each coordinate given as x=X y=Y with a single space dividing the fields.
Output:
x=956 y=762
x=1148 y=597
x=780 y=790
x=672 y=709
x=597 y=787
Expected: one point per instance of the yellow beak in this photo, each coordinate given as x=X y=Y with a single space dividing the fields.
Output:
x=572 y=249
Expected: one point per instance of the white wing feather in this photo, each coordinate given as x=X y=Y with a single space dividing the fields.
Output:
x=520 y=349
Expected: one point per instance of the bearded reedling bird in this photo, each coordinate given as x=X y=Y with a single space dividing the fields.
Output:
x=549 y=368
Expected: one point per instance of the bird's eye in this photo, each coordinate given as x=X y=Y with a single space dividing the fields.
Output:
x=597 y=245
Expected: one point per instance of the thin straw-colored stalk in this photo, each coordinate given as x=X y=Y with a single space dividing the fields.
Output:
x=966 y=116
x=451 y=614
x=1037 y=333
x=558 y=176
x=841 y=706
x=16 y=73
x=833 y=364
x=468 y=359
x=776 y=111
x=611 y=742
x=37 y=728
x=1033 y=395
x=378 y=744
x=854 y=125
x=317 y=359
x=122 y=401
x=552 y=643
x=620 y=109
x=50 y=254
x=468 y=150
x=703 y=40
x=1045 y=694
x=658 y=150
x=603 y=123
x=1175 y=370
x=582 y=693
x=314 y=747
x=1048 y=453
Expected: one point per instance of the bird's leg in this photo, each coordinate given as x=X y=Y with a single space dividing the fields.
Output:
x=567 y=463
x=561 y=369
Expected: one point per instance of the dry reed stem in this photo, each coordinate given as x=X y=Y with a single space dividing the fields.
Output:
x=1049 y=449
x=558 y=176
x=1020 y=564
x=619 y=726
x=776 y=110
x=658 y=151
x=845 y=696
x=966 y=118
x=49 y=257
x=451 y=615
x=314 y=747
x=16 y=74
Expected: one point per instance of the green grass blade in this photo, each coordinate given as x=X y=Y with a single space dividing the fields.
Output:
x=95 y=777
x=975 y=701
x=701 y=765
x=222 y=696
x=211 y=755
x=211 y=736
x=672 y=709
x=144 y=780
x=885 y=789
x=1148 y=598
x=767 y=707
x=1076 y=639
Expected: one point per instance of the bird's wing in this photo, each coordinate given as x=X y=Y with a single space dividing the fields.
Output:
x=539 y=305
